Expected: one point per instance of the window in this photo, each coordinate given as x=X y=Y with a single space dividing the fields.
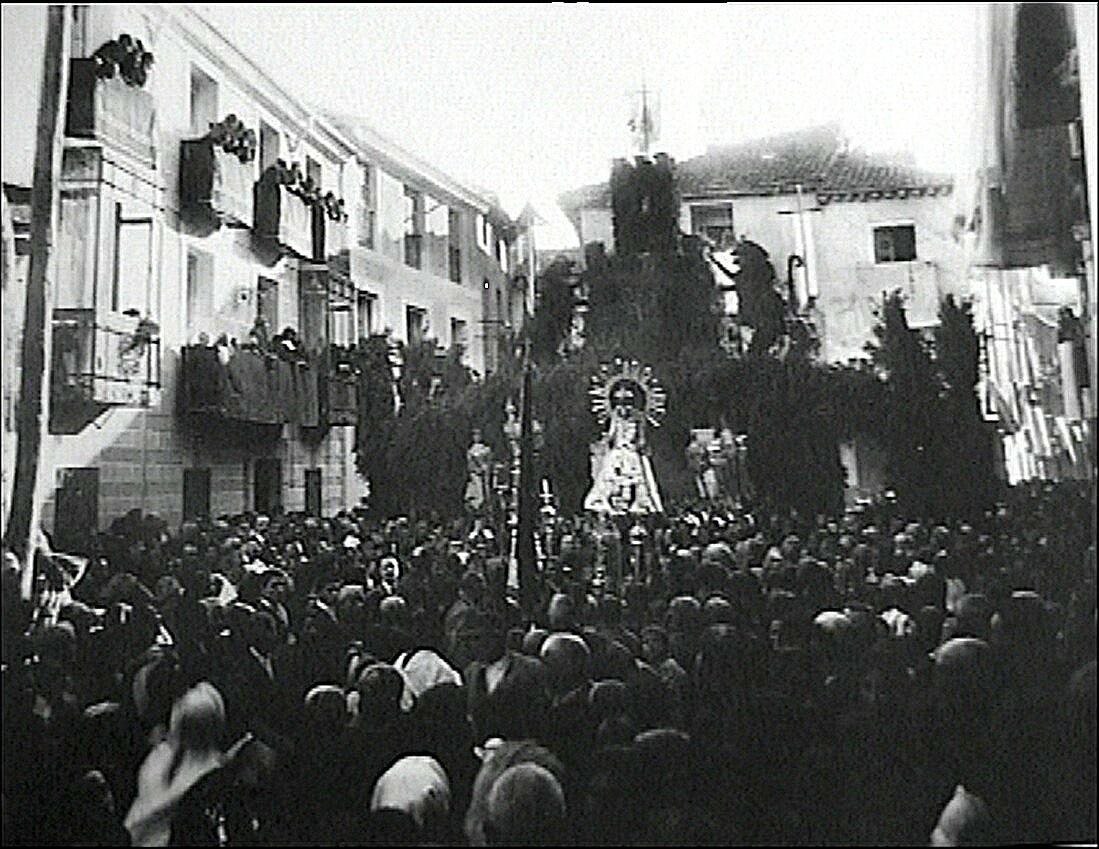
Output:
x=458 y=337
x=414 y=228
x=341 y=324
x=489 y=236
x=895 y=243
x=366 y=303
x=715 y=224
x=367 y=208
x=268 y=146
x=267 y=303
x=76 y=252
x=76 y=501
x=482 y=233
x=204 y=101
x=313 y=307
x=454 y=252
x=267 y=486
x=200 y=291
x=415 y=325
x=196 y=493
x=313 y=492
x=132 y=263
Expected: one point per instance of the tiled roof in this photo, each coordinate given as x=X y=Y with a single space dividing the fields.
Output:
x=820 y=159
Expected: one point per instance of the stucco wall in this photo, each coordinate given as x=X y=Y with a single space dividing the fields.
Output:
x=841 y=258
x=597 y=225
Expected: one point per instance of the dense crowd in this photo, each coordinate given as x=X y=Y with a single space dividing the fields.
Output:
x=734 y=677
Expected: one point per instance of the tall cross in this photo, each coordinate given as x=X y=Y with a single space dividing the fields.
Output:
x=800 y=213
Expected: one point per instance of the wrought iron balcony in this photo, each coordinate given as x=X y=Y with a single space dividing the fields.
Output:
x=215 y=185
x=283 y=218
x=110 y=111
x=99 y=362
x=248 y=386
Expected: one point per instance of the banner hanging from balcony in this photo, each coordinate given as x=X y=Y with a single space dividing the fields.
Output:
x=249 y=386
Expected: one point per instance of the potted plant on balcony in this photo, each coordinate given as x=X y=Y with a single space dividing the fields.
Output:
x=234 y=138
x=125 y=56
x=334 y=207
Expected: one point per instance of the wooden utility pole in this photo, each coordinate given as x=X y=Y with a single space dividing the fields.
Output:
x=527 y=503
x=33 y=406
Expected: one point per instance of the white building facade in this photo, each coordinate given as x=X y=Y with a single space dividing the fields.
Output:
x=169 y=242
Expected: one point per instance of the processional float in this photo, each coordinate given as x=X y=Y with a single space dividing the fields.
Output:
x=626 y=398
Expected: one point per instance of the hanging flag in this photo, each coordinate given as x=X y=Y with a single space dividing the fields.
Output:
x=1004 y=409
x=1066 y=437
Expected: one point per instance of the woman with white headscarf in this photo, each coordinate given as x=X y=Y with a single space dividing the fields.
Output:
x=416 y=786
x=180 y=772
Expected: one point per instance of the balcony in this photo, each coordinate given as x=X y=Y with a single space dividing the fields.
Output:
x=282 y=218
x=111 y=112
x=214 y=185
x=248 y=386
x=100 y=362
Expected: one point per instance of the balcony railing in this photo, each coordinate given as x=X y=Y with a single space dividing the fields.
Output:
x=215 y=184
x=248 y=386
x=112 y=360
x=283 y=218
x=110 y=111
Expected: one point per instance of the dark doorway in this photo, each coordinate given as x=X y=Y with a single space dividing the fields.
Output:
x=196 y=493
x=313 y=492
x=267 y=486
x=76 y=515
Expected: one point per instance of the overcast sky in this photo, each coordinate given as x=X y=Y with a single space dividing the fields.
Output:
x=529 y=101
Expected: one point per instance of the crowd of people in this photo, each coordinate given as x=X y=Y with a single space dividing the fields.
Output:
x=740 y=678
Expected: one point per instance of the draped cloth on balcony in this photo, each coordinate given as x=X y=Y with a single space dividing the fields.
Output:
x=250 y=387
x=1033 y=182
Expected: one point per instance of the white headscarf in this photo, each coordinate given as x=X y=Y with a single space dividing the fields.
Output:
x=422 y=670
x=416 y=785
x=174 y=766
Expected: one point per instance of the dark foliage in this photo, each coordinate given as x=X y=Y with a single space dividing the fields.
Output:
x=938 y=448
x=646 y=209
